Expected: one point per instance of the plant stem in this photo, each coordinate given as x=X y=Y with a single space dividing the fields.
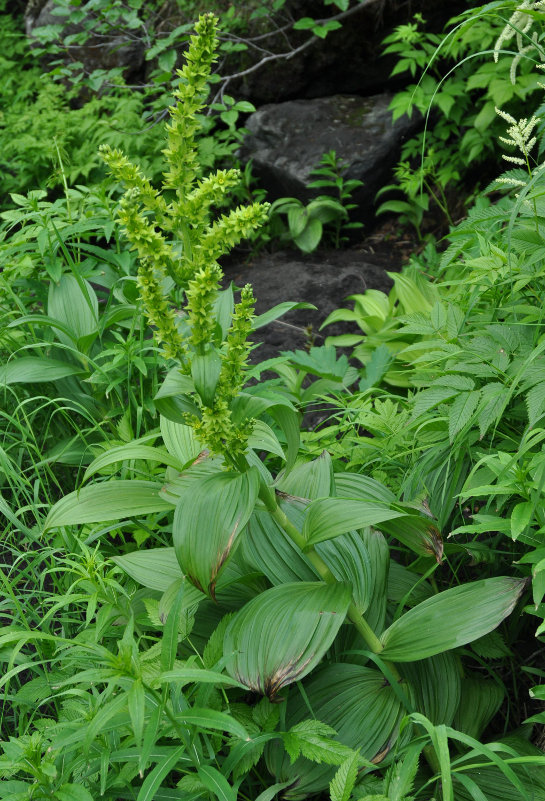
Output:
x=355 y=617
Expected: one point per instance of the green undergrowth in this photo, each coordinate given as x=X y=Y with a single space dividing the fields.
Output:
x=203 y=599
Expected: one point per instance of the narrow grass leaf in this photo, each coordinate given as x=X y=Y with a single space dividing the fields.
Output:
x=216 y=783
x=183 y=676
x=137 y=707
x=210 y=719
x=151 y=783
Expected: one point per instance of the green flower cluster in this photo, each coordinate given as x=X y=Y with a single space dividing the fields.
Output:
x=179 y=245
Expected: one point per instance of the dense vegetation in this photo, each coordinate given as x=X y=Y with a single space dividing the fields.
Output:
x=200 y=597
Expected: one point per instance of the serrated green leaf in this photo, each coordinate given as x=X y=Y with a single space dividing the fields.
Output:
x=342 y=784
x=313 y=740
x=461 y=411
x=535 y=402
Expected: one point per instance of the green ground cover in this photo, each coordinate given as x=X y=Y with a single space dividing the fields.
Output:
x=199 y=597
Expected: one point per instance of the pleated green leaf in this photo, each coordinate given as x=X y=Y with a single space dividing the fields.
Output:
x=311 y=480
x=156 y=568
x=361 y=559
x=208 y=521
x=36 y=370
x=436 y=685
x=404 y=586
x=418 y=532
x=263 y=438
x=112 y=500
x=362 y=488
x=268 y=549
x=180 y=441
x=74 y=303
x=282 y=634
x=451 y=618
x=358 y=704
x=129 y=452
x=481 y=699
x=330 y=517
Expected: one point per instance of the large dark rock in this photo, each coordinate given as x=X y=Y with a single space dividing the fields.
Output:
x=324 y=279
x=287 y=140
x=347 y=60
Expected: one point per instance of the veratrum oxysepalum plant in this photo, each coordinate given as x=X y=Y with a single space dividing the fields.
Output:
x=298 y=561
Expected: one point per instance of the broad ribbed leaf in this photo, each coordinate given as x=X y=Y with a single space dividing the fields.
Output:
x=282 y=634
x=180 y=441
x=417 y=532
x=406 y=586
x=74 y=303
x=268 y=549
x=155 y=568
x=36 y=370
x=311 y=480
x=361 y=559
x=356 y=702
x=130 y=452
x=481 y=699
x=436 y=684
x=329 y=517
x=112 y=500
x=451 y=618
x=205 y=372
x=208 y=520
x=263 y=438
x=362 y=488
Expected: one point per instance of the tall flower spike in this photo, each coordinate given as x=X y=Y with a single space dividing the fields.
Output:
x=181 y=150
x=176 y=240
x=519 y=26
x=519 y=133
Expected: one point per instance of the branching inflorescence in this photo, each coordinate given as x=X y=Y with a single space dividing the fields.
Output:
x=179 y=245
